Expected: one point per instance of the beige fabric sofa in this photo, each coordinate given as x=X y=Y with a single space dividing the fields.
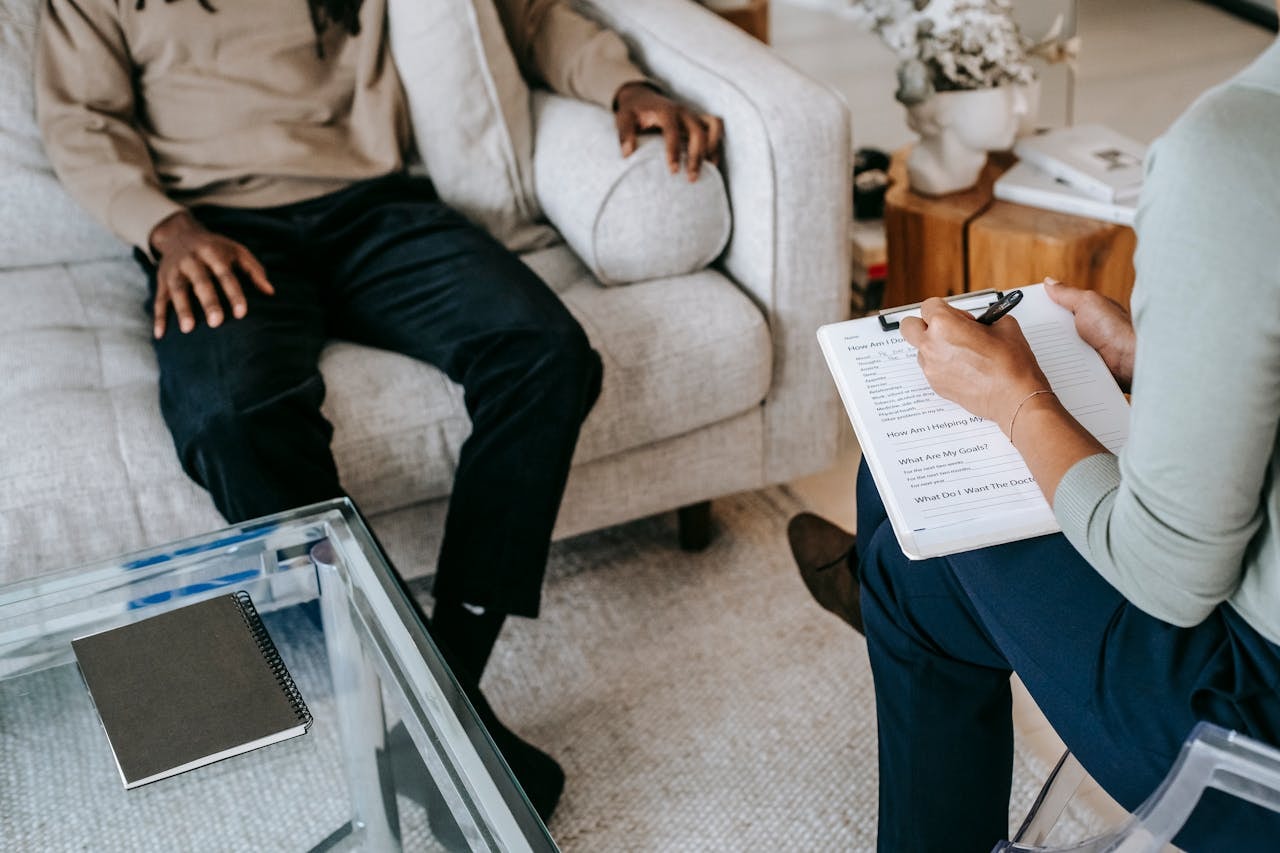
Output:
x=713 y=380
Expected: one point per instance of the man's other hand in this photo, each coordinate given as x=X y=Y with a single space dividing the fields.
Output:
x=192 y=259
x=638 y=108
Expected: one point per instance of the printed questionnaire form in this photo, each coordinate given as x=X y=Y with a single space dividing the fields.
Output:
x=952 y=481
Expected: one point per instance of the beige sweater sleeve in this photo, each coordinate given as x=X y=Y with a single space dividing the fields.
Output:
x=571 y=54
x=85 y=107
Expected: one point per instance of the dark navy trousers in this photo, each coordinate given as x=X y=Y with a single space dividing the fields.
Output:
x=387 y=264
x=1122 y=688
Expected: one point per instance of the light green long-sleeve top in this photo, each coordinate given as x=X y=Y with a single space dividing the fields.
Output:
x=1188 y=516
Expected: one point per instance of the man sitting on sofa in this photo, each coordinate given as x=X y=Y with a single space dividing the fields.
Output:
x=253 y=154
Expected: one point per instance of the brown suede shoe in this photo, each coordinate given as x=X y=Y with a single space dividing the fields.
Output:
x=826 y=559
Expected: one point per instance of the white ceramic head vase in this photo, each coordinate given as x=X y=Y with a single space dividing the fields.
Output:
x=957 y=129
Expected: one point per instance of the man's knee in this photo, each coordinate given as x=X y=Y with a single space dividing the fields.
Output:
x=562 y=357
x=225 y=427
x=565 y=344
x=259 y=459
x=221 y=440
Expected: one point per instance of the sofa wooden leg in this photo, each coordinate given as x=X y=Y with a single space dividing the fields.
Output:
x=695 y=526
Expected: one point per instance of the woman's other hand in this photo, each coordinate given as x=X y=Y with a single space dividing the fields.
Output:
x=1103 y=324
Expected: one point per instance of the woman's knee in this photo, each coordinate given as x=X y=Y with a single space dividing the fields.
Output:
x=880 y=563
x=918 y=599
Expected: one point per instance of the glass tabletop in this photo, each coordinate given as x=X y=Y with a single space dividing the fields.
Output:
x=394 y=759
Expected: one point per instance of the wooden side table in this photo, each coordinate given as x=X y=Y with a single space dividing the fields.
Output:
x=749 y=15
x=969 y=241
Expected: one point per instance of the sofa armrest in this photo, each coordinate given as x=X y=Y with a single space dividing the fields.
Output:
x=788 y=167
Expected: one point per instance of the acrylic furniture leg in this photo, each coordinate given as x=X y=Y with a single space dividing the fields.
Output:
x=361 y=721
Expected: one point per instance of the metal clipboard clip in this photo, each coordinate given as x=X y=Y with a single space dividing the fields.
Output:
x=978 y=300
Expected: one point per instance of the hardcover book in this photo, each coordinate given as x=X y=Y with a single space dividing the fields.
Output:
x=1093 y=159
x=189 y=687
x=1025 y=184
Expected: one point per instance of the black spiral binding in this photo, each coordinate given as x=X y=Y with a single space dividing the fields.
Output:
x=272 y=656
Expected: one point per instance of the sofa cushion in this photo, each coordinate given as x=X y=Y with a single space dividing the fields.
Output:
x=88 y=468
x=628 y=218
x=39 y=222
x=469 y=107
x=679 y=353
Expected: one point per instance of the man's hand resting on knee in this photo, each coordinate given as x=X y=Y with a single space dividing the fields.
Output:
x=192 y=259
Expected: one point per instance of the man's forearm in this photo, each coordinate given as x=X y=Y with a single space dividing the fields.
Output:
x=574 y=56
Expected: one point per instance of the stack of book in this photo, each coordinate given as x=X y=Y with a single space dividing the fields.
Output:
x=1087 y=170
x=870 y=265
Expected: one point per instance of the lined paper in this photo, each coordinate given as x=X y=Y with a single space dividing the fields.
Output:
x=951 y=481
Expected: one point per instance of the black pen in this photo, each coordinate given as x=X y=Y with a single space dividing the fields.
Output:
x=1000 y=307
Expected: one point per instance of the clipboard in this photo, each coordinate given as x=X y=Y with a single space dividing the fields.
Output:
x=891 y=318
x=951 y=481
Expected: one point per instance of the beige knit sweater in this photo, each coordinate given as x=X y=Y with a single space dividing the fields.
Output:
x=145 y=111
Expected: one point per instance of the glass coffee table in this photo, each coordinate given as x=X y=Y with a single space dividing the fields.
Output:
x=394 y=760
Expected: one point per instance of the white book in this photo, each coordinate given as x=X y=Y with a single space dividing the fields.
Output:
x=951 y=481
x=1026 y=184
x=1094 y=159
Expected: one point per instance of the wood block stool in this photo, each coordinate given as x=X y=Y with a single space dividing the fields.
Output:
x=749 y=15
x=966 y=241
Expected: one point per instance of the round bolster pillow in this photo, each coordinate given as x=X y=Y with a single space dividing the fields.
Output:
x=628 y=219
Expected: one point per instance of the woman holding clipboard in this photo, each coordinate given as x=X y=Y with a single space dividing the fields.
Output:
x=1159 y=605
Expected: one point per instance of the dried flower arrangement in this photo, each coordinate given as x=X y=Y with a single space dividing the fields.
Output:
x=947 y=45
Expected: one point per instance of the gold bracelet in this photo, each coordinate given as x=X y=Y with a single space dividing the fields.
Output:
x=1018 y=408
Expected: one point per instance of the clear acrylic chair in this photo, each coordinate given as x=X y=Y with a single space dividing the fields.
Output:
x=1211 y=757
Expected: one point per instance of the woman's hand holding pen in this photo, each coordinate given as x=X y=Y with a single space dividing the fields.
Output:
x=988 y=370
x=1103 y=324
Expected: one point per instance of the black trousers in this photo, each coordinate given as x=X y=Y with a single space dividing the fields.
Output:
x=387 y=264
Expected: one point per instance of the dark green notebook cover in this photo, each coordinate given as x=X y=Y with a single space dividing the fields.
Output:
x=189 y=687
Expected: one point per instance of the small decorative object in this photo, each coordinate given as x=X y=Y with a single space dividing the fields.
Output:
x=957 y=129
x=870 y=180
x=965 y=79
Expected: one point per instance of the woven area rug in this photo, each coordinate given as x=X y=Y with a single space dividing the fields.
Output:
x=700 y=702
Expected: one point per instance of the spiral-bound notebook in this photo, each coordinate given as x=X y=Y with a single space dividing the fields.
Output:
x=189 y=687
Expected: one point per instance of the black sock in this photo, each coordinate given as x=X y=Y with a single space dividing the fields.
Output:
x=455 y=629
x=465 y=638
x=538 y=773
